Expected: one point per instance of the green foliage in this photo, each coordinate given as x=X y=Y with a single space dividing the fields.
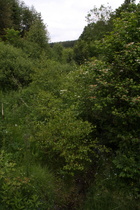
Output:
x=59 y=134
x=15 y=68
x=107 y=192
x=49 y=75
x=12 y=36
x=38 y=34
x=81 y=52
x=99 y=14
x=68 y=55
x=125 y=33
x=45 y=185
x=65 y=44
x=16 y=192
x=5 y=17
x=6 y=165
x=127 y=6
x=99 y=24
x=68 y=141
x=16 y=15
x=114 y=103
x=21 y=192
x=81 y=122
x=57 y=52
x=113 y=94
x=61 y=54
x=13 y=196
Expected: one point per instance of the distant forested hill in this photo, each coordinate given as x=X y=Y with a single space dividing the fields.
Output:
x=65 y=44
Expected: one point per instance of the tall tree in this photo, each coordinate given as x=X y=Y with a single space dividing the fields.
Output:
x=5 y=15
x=127 y=6
x=98 y=23
x=16 y=14
x=38 y=34
x=29 y=16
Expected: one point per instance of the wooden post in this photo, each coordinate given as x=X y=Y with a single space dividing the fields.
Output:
x=2 y=110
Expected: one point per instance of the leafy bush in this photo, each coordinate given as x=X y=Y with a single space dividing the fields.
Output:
x=15 y=68
x=16 y=192
x=21 y=192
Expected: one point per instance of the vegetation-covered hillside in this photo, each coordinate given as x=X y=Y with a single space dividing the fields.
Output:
x=70 y=112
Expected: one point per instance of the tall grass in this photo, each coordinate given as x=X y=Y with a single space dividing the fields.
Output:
x=44 y=184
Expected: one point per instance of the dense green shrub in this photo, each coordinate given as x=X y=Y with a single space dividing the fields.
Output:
x=19 y=191
x=15 y=68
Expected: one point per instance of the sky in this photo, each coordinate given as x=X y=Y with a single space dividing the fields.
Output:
x=65 y=19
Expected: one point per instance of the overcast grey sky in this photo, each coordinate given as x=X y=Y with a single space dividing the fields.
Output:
x=65 y=19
